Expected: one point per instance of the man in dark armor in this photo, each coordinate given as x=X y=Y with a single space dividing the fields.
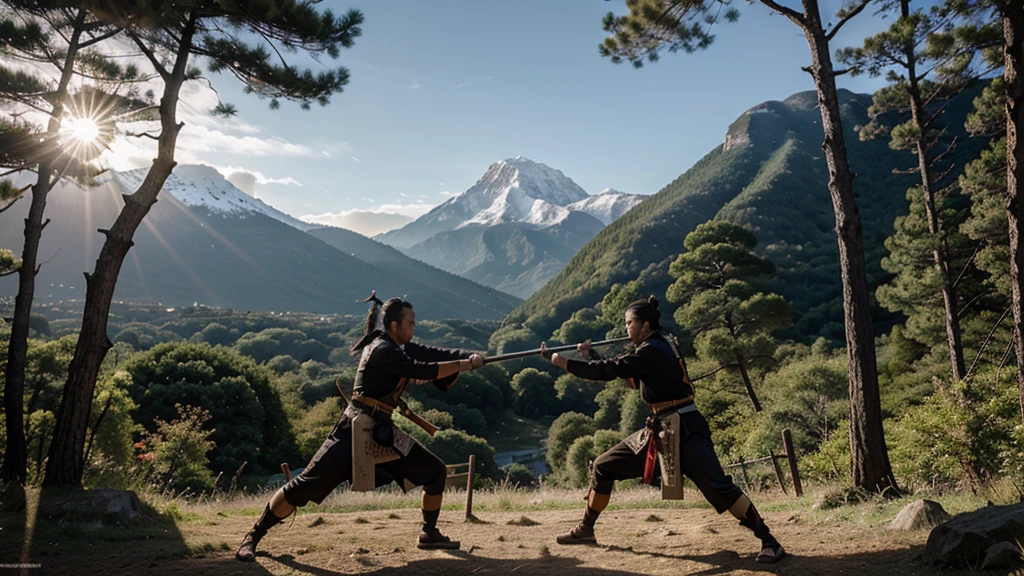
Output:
x=389 y=362
x=676 y=437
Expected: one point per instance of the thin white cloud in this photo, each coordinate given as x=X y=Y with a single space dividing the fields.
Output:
x=204 y=139
x=412 y=209
x=493 y=77
x=261 y=178
x=371 y=221
x=365 y=222
x=414 y=85
x=464 y=84
x=246 y=180
x=356 y=159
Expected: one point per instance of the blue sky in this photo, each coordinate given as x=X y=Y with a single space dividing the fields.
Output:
x=439 y=90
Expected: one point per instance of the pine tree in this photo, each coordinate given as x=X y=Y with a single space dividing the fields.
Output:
x=1011 y=13
x=996 y=178
x=926 y=61
x=652 y=26
x=169 y=35
x=49 y=35
x=730 y=319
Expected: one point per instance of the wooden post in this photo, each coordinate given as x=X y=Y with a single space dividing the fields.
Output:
x=746 y=479
x=787 y=441
x=778 y=472
x=469 y=487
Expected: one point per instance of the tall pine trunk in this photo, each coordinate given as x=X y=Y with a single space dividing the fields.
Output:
x=15 y=463
x=870 y=467
x=65 y=463
x=940 y=255
x=1013 y=75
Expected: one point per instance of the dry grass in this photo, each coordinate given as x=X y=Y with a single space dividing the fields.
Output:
x=874 y=511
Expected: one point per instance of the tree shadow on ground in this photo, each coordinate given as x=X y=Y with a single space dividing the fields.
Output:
x=62 y=531
x=724 y=562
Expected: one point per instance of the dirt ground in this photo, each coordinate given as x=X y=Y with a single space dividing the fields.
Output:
x=636 y=541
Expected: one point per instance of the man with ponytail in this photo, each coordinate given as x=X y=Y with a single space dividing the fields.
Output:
x=389 y=361
x=676 y=434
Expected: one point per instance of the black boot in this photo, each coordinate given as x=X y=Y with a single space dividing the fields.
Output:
x=431 y=538
x=582 y=533
x=771 y=550
x=247 y=550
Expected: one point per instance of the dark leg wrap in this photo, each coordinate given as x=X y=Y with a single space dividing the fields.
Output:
x=247 y=550
x=590 y=517
x=430 y=519
x=755 y=523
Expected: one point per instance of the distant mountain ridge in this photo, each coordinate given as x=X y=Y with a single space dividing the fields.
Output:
x=207 y=242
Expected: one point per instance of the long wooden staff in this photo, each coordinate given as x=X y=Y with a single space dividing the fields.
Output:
x=525 y=353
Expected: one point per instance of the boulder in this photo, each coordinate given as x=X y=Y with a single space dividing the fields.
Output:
x=110 y=506
x=919 y=515
x=965 y=540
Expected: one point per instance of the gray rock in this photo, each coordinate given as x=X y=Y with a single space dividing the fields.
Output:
x=105 y=503
x=964 y=540
x=919 y=515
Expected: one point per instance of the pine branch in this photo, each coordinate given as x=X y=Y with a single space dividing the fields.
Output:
x=846 y=18
x=967 y=265
x=28 y=103
x=984 y=345
x=142 y=135
x=797 y=17
x=99 y=38
x=11 y=202
x=719 y=369
x=151 y=56
x=942 y=175
x=20 y=169
x=284 y=63
x=960 y=314
x=911 y=170
x=945 y=152
x=1006 y=356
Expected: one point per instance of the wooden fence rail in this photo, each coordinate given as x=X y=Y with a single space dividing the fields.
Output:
x=790 y=455
x=455 y=479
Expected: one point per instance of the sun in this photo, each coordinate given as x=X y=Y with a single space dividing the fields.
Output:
x=83 y=129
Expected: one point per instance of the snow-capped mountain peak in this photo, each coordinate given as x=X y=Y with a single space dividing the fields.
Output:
x=534 y=179
x=203 y=186
x=518 y=190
